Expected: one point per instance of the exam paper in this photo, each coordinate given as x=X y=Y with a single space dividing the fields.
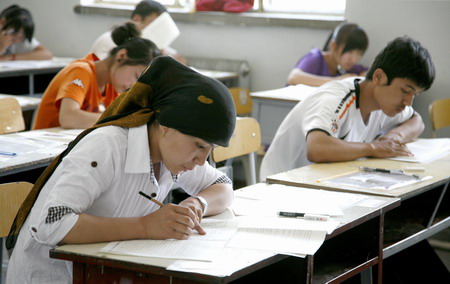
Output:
x=230 y=261
x=426 y=150
x=267 y=200
x=280 y=235
x=198 y=247
x=162 y=31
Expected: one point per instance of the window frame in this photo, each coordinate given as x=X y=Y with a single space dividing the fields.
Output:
x=253 y=18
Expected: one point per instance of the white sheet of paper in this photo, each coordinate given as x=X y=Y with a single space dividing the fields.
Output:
x=162 y=31
x=197 y=247
x=230 y=261
x=278 y=236
x=267 y=200
x=426 y=150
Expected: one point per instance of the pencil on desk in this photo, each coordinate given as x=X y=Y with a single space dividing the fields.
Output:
x=336 y=176
x=151 y=199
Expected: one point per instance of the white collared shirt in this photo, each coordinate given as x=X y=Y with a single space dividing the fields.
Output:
x=101 y=176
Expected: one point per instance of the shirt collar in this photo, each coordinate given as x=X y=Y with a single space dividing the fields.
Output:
x=137 y=151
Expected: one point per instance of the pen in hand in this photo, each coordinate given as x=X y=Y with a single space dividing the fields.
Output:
x=151 y=199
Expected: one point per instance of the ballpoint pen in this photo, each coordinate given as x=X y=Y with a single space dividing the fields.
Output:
x=380 y=170
x=7 y=153
x=306 y=216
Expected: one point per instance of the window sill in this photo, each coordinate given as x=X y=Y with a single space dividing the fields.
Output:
x=221 y=18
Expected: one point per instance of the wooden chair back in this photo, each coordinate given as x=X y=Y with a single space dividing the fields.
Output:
x=246 y=140
x=11 y=117
x=11 y=197
x=439 y=111
x=242 y=101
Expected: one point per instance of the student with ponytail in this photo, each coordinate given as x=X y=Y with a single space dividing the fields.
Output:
x=76 y=95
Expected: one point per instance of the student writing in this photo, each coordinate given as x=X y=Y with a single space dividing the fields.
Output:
x=158 y=133
x=357 y=117
x=75 y=96
x=338 y=59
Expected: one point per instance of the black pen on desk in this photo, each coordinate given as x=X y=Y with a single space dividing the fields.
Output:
x=379 y=170
x=7 y=153
x=306 y=216
x=151 y=199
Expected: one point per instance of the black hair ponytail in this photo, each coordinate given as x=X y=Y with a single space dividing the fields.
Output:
x=140 y=51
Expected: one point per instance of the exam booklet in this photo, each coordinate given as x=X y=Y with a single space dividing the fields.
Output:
x=162 y=31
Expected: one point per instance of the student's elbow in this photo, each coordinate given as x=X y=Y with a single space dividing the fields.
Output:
x=44 y=53
x=316 y=155
x=294 y=77
x=66 y=120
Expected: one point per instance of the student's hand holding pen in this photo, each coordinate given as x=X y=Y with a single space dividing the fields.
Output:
x=171 y=221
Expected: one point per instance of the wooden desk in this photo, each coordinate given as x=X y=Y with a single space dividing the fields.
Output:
x=89 y=265
x=271 y=107
x=38 y=158
x=30 y=68
x=425 y=208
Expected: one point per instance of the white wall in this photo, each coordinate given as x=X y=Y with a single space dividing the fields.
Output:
x=270 y=51
x=427 y=21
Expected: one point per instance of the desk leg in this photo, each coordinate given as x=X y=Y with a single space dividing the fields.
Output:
x=31 y=84
x=310 y=269
x=78 y=273
x=380 y=249
x=444 y=190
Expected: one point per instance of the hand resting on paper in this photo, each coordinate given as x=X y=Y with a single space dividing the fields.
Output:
x=385 y=147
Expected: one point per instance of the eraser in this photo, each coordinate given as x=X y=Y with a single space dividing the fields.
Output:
x=415 y=169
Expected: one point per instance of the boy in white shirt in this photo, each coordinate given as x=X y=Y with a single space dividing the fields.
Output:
x=356 y=117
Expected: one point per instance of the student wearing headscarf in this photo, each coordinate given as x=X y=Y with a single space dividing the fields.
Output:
x=158 y=133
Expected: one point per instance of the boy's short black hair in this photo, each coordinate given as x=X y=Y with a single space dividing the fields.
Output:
x=405 y=58
x=17 y=18
x=148 y=7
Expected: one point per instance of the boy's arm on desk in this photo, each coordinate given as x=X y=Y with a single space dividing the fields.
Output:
x=323 y=148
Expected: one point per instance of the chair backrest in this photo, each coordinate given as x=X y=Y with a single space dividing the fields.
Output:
x=11 y=118
x=246 y=140
x=439 y=111
x=11 y=197
x=242 y=101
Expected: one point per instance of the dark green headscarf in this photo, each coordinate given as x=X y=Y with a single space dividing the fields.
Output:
x=168 y=91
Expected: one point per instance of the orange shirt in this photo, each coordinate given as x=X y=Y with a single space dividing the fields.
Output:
x=76 y=81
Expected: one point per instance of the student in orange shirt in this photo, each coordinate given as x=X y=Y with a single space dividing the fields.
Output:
x=77 y=94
